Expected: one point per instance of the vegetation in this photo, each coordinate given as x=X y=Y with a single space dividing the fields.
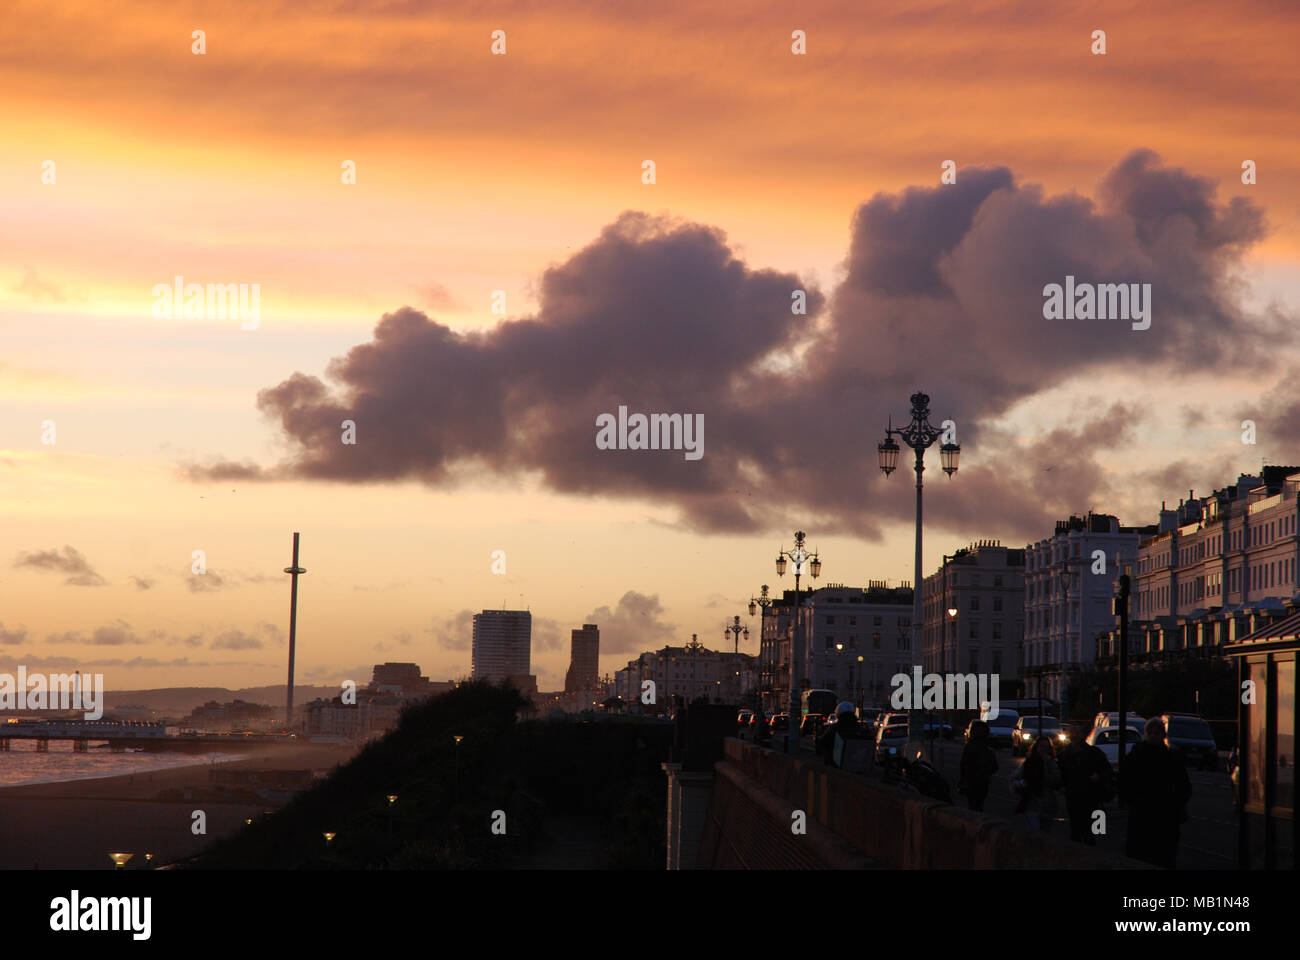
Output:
x=605 y=769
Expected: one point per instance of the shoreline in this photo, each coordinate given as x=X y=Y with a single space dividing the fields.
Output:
x=73 y=824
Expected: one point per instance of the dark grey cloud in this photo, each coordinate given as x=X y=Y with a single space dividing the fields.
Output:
x=1276 y=415
x=942 y=291
x=455 y=632
x=70 y=561
x=633 y=625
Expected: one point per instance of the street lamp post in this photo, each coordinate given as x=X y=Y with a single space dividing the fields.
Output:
x=763 y=601
x=919 y=435
x=1121 y=608
x=736 y=629
x=798 y=556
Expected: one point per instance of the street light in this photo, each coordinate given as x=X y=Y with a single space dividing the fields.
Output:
x=762 y=601
x=120 y=859
x=918 y=435
x=736 y=629
x=798 y=556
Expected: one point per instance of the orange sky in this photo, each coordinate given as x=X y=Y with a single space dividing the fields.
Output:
x=474 y=172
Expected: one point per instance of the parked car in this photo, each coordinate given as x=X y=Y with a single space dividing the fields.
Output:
x=779 y=723
x=1191 y=738
x=745 y=717
x=889 y=740
x=811 y=724
x=1002 y=727
x=1026 y=730
x=1106 y=739
x=1111 y=719
x=935 y=727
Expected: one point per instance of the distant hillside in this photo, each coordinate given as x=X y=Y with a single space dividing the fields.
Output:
x=181 y=700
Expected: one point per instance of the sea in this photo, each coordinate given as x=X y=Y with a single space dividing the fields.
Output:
x=22 y=764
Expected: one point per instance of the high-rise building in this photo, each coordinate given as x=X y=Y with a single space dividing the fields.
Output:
x=502 y=644
x=584 y=661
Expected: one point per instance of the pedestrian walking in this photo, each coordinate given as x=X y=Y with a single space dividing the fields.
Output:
x=1088 y=783
x=1037 y=781
x=978 y=764
x=1155 y=788
x=845 y=727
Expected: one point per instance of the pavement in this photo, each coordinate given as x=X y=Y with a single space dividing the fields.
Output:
x=1208 y=839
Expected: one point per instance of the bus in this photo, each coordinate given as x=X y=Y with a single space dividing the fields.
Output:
x=820 y=701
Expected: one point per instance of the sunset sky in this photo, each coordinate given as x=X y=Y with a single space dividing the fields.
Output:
x=522 y=173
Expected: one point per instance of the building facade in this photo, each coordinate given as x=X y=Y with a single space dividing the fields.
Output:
x=1216 y=568
x=1069 y=597
x=856 y=639
x=983 y=585
x=584 y=660
x=690 y=672
x=502 y=645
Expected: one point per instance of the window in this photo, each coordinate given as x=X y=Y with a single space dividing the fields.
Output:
x=997 y=604
x=875 y=640
x=974 y=630
x=997 y=580
x=853 y=621
x=974 y=603
x=997 y=630
x=875 y=621
x=974 y=661
x=997 y=661
x=830 y=621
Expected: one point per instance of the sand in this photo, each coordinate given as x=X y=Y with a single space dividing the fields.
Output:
x=75 y=824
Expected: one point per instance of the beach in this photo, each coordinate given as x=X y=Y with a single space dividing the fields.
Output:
x=75 y=824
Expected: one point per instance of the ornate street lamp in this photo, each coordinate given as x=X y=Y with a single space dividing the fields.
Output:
x=919 y=435
x=799 y=557
x=736 y=630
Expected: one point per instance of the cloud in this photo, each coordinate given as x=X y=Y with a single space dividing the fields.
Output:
x=141 y=583
x=634 y=625
x=236 y=640
x=454 y=633
x=942 y=286
x=11 y=637
x=437 y=297
x=70 y=561
x=115 y=634
x=203 y=582
x=547 y=634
